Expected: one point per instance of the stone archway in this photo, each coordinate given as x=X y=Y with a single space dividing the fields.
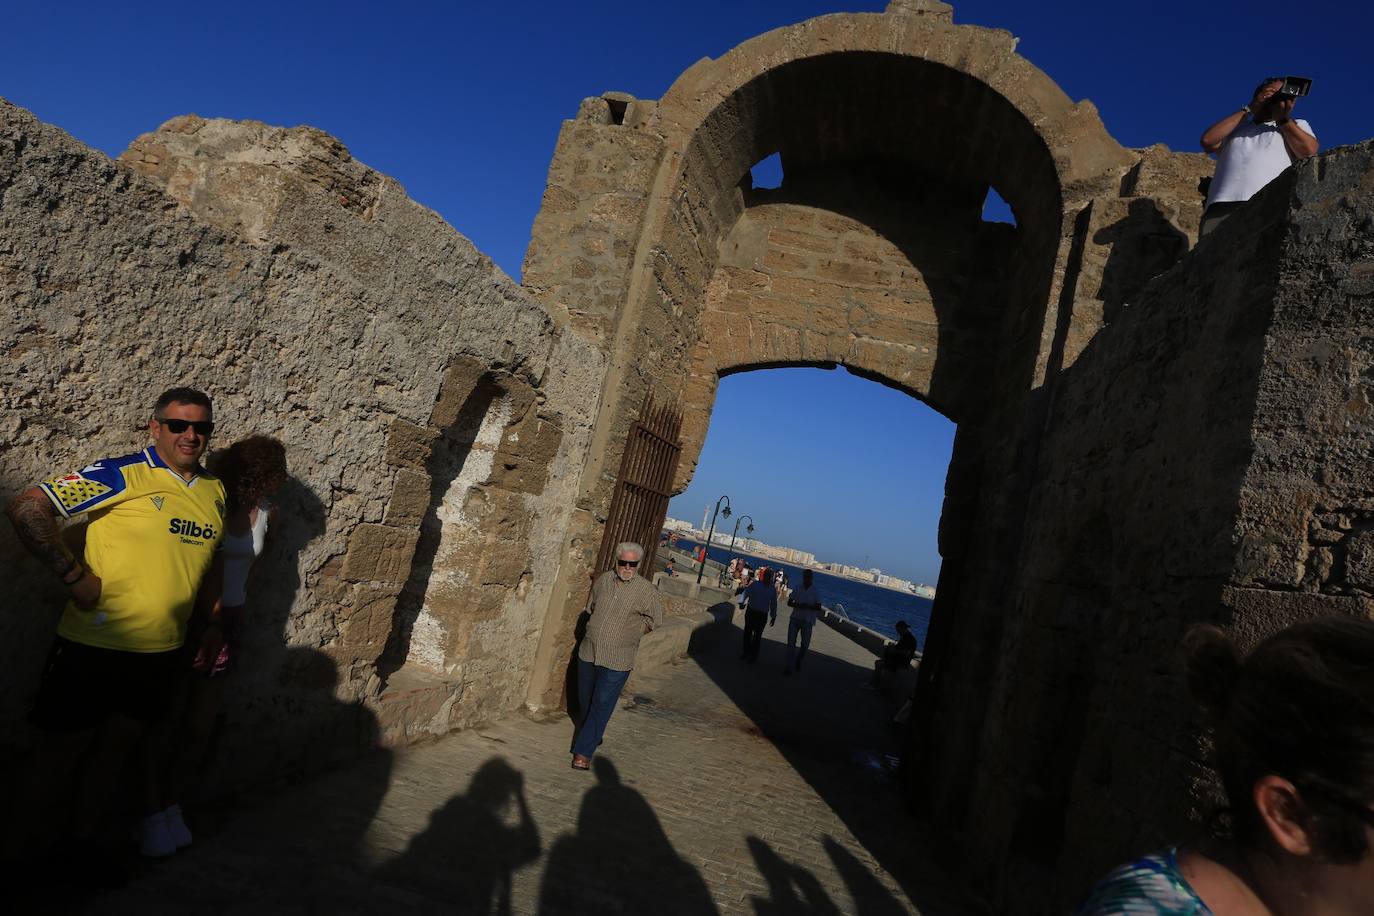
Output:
x=872 y=254
x=636 y=238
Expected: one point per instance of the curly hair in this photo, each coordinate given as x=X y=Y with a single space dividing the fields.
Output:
x=251 y=468
x=1300 y=706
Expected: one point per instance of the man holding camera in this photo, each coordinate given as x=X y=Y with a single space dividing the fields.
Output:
x=1254 y=145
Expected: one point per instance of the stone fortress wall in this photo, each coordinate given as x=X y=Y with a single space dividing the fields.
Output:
x=1147 y=435
x=436 y=417
x=1106 y=384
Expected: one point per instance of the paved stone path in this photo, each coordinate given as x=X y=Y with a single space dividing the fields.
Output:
x=721 y=788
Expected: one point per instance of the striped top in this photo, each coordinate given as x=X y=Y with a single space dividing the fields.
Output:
x=621 y=612
x=1150 y=886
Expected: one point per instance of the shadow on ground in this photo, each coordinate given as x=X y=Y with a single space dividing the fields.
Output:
x=839 y=737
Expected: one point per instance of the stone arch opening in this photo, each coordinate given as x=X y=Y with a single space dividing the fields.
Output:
x=841 y=438
x=873 y=252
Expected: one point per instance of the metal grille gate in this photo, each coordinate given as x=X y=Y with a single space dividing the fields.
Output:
x=644 y=486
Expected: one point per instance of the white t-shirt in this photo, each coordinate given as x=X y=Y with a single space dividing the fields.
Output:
x=1250 y=158
x=805 y=595
x=239 y=551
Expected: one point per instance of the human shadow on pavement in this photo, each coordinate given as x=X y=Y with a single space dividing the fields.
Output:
x=791 y=888
x=840 y=739
x=869 y=896
x=619 y=860
x=294 y=843
x=466 y=855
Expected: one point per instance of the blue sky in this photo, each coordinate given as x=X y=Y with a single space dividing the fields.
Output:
x=462 y=104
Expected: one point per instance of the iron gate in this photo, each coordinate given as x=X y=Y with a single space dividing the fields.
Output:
x=643 y=486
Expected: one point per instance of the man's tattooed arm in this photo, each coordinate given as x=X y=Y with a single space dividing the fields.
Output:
x=35 y=521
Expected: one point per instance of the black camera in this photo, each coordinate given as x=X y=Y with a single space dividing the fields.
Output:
x=1293 y=86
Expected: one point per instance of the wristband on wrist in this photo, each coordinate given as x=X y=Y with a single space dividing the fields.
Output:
x=68 y=579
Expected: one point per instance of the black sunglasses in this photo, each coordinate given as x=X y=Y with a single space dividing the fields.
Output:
x=202 y=427
x=627 y=562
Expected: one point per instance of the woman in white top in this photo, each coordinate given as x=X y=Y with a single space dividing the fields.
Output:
x=252 y=470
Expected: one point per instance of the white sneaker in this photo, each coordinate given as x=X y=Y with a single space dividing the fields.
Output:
x=155 y=840
x=176 y=826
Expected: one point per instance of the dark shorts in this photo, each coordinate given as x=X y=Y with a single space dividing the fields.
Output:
x=82 y=686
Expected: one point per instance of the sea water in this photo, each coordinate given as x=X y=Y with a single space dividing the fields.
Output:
x=877 y=608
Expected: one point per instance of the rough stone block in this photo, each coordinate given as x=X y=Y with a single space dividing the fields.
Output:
x=410 y=498
x=804 y=241
x=379 y=553
x=409 y=445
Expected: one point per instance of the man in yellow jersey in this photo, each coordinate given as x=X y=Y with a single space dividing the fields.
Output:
x=156 y=518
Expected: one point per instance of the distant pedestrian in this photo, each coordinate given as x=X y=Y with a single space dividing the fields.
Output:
x=623 y=607
x=746 y=575
x=805 y=603
x=761 y=604
x=671 y=567
x=896 y=656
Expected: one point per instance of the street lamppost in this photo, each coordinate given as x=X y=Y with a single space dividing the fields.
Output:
x=724 y=499
x=748 y=531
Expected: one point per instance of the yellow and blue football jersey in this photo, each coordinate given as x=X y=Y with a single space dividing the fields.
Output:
x=151 y=538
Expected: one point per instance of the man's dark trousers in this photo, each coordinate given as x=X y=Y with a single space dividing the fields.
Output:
x=754 y=622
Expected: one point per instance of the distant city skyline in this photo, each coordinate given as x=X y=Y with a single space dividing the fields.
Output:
x=793 y=556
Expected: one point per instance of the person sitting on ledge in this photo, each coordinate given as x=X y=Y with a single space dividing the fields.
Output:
x=895 y=657
x=1294 y=748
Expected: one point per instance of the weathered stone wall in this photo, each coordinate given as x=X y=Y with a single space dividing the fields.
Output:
x=1205 y=460
x=826 y=94
x=416 y=387
x=887 y=288
x=1144 y=438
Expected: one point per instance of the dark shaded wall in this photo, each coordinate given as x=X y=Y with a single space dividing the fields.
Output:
x=1206 y=458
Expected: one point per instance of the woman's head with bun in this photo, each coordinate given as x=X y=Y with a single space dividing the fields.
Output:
x=1294 y=727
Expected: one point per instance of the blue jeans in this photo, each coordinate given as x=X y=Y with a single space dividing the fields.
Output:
x=597 y=690
x=795 y=626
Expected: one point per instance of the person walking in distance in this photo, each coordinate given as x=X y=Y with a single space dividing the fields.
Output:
x=761 y=606
x=156 y=519
x=624 y=606
x=805 y=603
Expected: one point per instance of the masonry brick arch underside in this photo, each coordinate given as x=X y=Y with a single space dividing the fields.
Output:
x=873 y=253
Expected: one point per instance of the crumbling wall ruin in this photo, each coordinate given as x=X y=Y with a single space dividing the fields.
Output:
x=416 y=388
